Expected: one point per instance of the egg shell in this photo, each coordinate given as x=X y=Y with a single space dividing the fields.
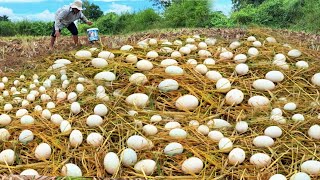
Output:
x=56 y=119
x=168 y=62
x=202 y=45
x=260 y=160
x=105 y=76
x=43 y=151
x=278 y=118
x=242 y=127
x=302 y=64
x=316 y=79
x=192 y=62
x=137 y=143
x=5 y=119
x=263 y=85
x=226 y=55
x=138 y=79
x=314 y=131
x=276 y=111
x=83 y=54
x=257 y=44
x=253 y=52
x=150 y=130
x=185 y=50
x=94 y=120
x=273 y=131
x=30 y=172
x=131 y=58
x=75 y=138
x=300 y=176
x=99 y=62
x=203 y=129
x=290 y=106
x=251 y=38
x=19 y=114
x=225 y=144
x=146 y=166
x=137 y=99
x=234 y=97
x=126 y=48
x=128 y=157
x=194 y=123
x=46 y=114
x=271 y=40
x=297 y=117
x=209 y=61
x=173 y=149
x=71 y=170
x=65 y=127
x=27 y=120
x=274 y=76
x=4 y=134
x=210 y=41
x=174 y=70
x=26 y=136
x=176 y=54
x=294 y=53
x=220 y=123
x=187 y=102
x=156 y=118
x=95 y=139
x=100 y=110
x=7 y=156
x=215 y=135
x=242 y=69
x=106 y=55
x=311 y=167
x=192 y=165
x=144 y=65
x=235 y=45
x=75 y=108
x=152 y=54
x=7 y=107
x=111 y=162
x=258 y=101
x=178 y=133
x=168 y=85
x=213 y=75
x=236 y=156
x=263 y=141
x=278 y=177
x=172 y=125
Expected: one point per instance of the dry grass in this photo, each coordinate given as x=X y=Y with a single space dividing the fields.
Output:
x=288 y=152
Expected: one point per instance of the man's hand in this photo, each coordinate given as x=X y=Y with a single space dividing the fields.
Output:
x=57 y=34
x=89 y=23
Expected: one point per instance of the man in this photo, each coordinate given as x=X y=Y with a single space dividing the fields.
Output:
x=65 y=17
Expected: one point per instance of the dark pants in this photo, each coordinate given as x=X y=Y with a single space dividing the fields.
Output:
x=72 y=28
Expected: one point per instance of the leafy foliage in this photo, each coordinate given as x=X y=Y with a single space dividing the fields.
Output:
x=239 y=4
x=91 y=11
x=4 y=18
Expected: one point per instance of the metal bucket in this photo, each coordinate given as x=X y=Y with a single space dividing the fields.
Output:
x=93 y=34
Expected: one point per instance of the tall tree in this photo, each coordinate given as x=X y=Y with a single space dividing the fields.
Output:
x=4 y=18
x=163 y=4
x=91 y=11
x=238 y=4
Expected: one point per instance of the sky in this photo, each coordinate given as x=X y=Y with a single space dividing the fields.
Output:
x=44 y=10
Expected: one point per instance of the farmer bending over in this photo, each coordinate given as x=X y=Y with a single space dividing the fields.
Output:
x=65 y=17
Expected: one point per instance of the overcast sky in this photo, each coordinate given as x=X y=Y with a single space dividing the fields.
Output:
x=44 y=9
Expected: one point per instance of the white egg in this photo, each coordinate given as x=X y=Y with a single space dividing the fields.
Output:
x=51 y=105
x=274 y=76
x=132 y=113
x=56 y=119
x=302 y=65
x=316 y=79
x=71 y=170
x=27 y=120
x=242 y=69
x=223 y=85
x=234 y=97
x=278 y=177
x=251 y=38
x=105 y=75
x=173 y=149
x=137 y=99
x=99 y=62
x=177 y=42
x=311 y=167
x=252 y=52
x=30 y=172
x=152 y=54
x=150 y=130
x=235 y=45
x=242 y=127
x=240 y=58
x=187 y=102
x=65 y=127
x=172 y=125
x=75 y=108
x=61 y=96
x=226 y=55
x=168 y=85
x=297 y=117
x=128 y=157
x=209 y=61
x=106 y=55
x=111 y=162
x=280 y=57
x=83 y=54
x=201 y=68
x=7 y=157
x=19 y=113
x=174 y=70
x=31 y=97
x=260 y=160
x=225 y=144
x=258 y=101
x=185 y=50
x=100 y=110
x=95 y=139
x=7 y=107
x=203 y=129
x=2 y=85
x=178 y=133
x=5 y=119
x=290 y=106
x=75 y=138
x=263 y=85
x=94 y=120
x=131 y=58
x=271 y=40
x=273 y=131
x=263 y=141
x=192 y=165
x=137 y=143
x=194 y=123
x=314 y=131
x=202 y=45
x=138 y=79
x=176 y=54
x=192 y=62
x=126 y=48
x=144 y=65
x=220 y=123
x=210 y=41
x=46 y=114
x=236 y=156
x=257 y=44
x=168 y=62
x=294 y=53
x=278 y=118
x=45 y=98
x=156 y=118
x=276 y=111
x=43 y=151
x=4 y=134
x=300 y=176
x=215 y=135
x=204 y=53
x=146 y=166
x=213 y=75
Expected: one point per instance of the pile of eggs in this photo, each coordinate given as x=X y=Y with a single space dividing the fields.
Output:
x=161 y=108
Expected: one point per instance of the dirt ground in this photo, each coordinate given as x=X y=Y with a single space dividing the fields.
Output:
x=18 y=53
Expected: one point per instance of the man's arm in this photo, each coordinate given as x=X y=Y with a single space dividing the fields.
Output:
x=62 y=14
x=84 y=18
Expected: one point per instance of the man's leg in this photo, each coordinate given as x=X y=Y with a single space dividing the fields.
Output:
x=74 y=31
x=53 y=37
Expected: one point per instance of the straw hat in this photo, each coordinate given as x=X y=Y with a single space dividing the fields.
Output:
x=77 y=4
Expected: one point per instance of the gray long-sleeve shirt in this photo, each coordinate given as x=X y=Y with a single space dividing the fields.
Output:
x=64 y=17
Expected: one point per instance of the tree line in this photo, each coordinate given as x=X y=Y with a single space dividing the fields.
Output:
x=288 y=14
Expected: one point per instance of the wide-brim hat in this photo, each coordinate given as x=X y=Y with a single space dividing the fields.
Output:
x=77 y=4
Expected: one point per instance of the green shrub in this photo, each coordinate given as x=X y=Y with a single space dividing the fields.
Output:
x=7 y=28
x=245 y=16
x=219 y=20
x=106 y=23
